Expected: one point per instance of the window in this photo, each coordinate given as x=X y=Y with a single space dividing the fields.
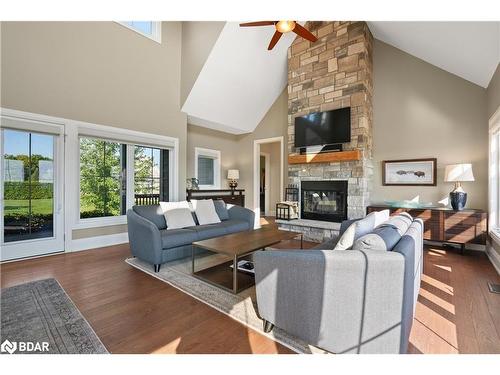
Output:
x=207 y=168
x=115 y=175
x=150 y=175
x=102 y=178
x=149 y=29
x=494 y=178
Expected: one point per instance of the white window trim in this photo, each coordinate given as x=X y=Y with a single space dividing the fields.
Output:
x=214 y=154
x=494 y=176
x=156 y=30
x=72 y=130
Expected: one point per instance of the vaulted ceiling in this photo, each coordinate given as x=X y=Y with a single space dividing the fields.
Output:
x=240 y=79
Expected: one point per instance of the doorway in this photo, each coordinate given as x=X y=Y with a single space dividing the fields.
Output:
x=31 y=186
x=268 y=175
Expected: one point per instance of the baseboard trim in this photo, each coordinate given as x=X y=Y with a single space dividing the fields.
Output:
x=98 y=241
x=493 y=256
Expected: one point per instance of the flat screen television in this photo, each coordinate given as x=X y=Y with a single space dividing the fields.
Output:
x=323 y=128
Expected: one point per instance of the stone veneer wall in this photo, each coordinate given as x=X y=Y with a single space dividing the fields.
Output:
x=335 y=72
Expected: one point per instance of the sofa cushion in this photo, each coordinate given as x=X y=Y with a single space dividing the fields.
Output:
x=221 y=209
x=384 y=237
x=153 y=213
x=357 y=229
x=177 y=237
x=235 y=225
x=205 y=231
x=401 y=222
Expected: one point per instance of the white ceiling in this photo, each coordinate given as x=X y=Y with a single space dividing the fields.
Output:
x=240 y=80
x=470 y=50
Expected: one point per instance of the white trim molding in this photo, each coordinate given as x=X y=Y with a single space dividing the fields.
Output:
x=256 y=173
x=97 y=241
x=216 y=156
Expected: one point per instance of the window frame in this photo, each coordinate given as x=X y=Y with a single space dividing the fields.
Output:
x=213 y=154
x=494 y=175
x=130 y=138
x=155 y=30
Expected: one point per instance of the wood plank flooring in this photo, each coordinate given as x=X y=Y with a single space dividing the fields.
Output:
x=133 y=312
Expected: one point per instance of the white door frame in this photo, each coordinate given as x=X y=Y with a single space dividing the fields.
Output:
x=267 y=178
x=256 y=172
x=40 y=246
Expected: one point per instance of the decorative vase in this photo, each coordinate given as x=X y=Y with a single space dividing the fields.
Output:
x=458 y=199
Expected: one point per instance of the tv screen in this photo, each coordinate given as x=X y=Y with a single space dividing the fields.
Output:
x=323 y=128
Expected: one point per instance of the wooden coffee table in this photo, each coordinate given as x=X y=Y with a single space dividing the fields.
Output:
x=237 y=246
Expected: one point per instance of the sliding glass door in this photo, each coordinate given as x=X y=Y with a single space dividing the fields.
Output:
x=31 y=205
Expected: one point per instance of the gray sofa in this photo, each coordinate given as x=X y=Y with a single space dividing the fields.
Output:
x=344 y=301
x=151 y=241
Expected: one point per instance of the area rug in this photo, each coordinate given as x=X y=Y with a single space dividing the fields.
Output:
x=240 y=307
x=39 y=317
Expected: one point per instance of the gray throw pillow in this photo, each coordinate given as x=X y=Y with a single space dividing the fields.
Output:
x=221 y=209
x=401 y=222
x=384 y=237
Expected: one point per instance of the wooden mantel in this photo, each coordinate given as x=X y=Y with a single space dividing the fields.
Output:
x=325 y=157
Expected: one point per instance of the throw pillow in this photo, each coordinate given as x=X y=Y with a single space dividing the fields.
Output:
x=221 y=209
x=401 y=222
x=384 y=237
x=205 y=212
x=381 y=217
x=179 y=218
x=346 y=241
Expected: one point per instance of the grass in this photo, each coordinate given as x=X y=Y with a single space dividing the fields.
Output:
x=38 y=206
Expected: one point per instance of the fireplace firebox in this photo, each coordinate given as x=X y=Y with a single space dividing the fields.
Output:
x=324 y=200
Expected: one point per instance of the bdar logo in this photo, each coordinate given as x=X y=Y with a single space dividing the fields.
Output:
x=8 y=346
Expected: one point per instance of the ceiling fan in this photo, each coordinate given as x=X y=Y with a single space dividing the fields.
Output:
x=281 y=28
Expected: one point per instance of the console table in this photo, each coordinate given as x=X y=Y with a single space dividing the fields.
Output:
x=236 y=196
x=447 y=225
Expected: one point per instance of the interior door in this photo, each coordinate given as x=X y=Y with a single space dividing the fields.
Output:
x=31 y=184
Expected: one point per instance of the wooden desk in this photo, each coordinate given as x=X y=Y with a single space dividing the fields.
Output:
x=447 y=225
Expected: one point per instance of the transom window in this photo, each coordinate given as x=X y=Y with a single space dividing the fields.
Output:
x=207 y=168
x=149 y=29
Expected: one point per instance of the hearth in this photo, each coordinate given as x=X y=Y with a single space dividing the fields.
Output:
x=324 y=200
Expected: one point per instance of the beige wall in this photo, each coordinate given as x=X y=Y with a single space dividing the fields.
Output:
x=493 y=93
x=274 y=183
x=198 y=39
x=422 y=111
x=226 y=143
x=237 y=151
x=98 y=72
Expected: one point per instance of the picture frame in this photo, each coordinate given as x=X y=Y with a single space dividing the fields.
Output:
x=409 y=172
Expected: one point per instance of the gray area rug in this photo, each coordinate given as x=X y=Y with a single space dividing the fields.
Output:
x=41 y=312
x=241 y=307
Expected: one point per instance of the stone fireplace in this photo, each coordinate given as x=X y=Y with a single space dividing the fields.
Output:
x=334 y=72
x=324 y=200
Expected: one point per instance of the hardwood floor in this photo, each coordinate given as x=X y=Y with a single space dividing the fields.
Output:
x=133 y=312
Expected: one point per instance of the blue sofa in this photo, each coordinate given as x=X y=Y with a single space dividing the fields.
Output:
x=152 y=241
x=346 y=301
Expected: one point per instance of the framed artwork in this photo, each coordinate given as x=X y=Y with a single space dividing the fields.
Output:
x=410 y=172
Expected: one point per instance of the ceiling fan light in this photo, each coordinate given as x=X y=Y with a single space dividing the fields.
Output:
x=285 y=26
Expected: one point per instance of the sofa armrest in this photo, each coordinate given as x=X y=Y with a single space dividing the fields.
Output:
x=343 y=301
x=144 y=238
x=242 y=213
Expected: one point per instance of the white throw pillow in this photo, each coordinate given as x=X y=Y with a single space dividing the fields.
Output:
x=205 y=211
x=166 y=206
x=381 y=217
x=347 y=239
x=179 y=218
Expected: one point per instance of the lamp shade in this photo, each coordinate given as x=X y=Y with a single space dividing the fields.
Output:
x=233 y=174
x=458 y=173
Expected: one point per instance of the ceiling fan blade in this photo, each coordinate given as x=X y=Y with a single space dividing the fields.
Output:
x=277 y=35
x=304 y=33
x=258 y=23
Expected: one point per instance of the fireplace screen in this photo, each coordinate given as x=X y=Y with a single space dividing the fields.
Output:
x=324 y=200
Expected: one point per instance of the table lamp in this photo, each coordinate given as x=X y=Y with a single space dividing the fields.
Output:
x=233 y=175
x=458 y=173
